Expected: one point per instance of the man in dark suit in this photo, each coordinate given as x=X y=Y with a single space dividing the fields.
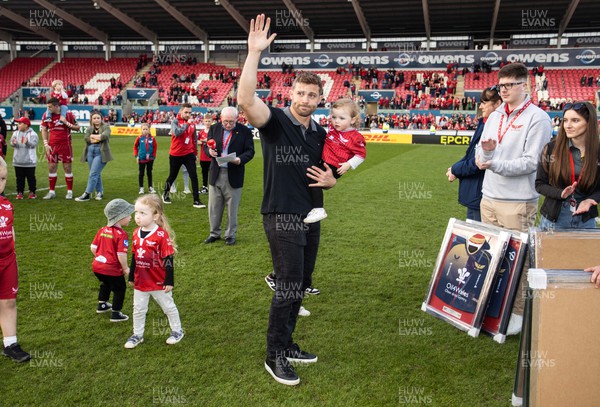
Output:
x=226 y=179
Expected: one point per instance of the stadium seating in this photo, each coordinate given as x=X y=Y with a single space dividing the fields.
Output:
x=333 y=84
x=564 y=83
x=485 y=80
x=93 y=73
x=412 y=76
x=18 y=71
x=202 y=71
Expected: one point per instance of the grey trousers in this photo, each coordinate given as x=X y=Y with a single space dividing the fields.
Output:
x=219 y=195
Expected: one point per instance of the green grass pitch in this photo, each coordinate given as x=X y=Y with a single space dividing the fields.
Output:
x=375 y=347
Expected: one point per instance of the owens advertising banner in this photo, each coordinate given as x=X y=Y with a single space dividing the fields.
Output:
x=581 y=57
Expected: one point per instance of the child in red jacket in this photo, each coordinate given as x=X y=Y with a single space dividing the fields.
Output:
x=110 y=258
x=344 y=149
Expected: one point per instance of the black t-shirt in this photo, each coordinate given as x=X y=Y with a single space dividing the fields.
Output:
x=288 y=150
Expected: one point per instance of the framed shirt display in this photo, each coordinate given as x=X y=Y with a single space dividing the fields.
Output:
x=465 y=270
x=505 y=286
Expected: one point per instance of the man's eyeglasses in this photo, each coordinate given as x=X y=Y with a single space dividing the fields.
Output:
x=506 y=86
x=574 y=106
x=228 y=121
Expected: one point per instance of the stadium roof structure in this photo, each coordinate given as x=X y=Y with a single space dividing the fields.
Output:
x=189 y=20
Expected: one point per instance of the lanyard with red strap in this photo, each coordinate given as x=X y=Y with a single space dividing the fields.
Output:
x=226 y=142
x=146 y=143
x=501 y=136
x=573 y=169
x=572 y=200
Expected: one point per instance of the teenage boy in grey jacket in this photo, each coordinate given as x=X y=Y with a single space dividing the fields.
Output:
x=511 y=145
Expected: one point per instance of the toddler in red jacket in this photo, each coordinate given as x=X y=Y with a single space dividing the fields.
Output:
x=344 y=149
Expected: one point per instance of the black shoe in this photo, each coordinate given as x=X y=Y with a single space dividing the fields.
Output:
x=104 y=307
x=230 y=241
x=282 y=371
x=17 y=354
x=118 y=316
x=199 y=205
x=204 y=190
x=166 y=199
x=211 y=239
x=295 y=355
x=83 y=198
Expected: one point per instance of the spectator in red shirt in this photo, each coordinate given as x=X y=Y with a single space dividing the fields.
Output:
x=56 y=135
x=183 y=152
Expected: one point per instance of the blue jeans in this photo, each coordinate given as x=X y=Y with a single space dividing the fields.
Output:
x=96 y=166
x=566 y=220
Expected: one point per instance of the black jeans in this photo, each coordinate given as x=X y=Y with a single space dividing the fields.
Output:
x=205 y=167
x=147 y=167
x=117 y=285
x=25 y=172
x=294 y=246
x=175 y=163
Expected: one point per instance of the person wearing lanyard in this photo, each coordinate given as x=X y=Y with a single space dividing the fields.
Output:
x=568 y=175
x=227 y=178
x=510 y=148
x=471 y=177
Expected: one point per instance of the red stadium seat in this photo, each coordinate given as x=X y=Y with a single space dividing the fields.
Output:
x=18 y=71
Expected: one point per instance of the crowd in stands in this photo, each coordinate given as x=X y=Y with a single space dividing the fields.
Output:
x=589 y=80
x=167 y=116
x=74 y=91
x=413 y=89
x=417 y=121
x=181 y=88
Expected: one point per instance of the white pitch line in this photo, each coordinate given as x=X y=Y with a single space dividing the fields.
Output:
x=39 y=189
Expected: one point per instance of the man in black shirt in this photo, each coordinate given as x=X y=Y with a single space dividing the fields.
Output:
x=292 y=145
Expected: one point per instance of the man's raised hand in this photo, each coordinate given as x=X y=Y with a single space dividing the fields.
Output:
x=259 y=29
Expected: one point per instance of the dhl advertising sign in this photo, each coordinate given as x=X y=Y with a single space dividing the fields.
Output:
x=129 y=131
x=380 y=137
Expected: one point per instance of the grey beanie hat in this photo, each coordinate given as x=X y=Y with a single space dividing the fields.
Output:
x=117 y=209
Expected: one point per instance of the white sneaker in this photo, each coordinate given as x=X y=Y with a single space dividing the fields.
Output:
x=133 y=341
x=141 y=191
x=50 y=195
x=187 y=191
x=151 y=190
x=315 y=215
x=175 y=337
x=303 y=312
x=173 y=189
x=69 y=195
x=517 y=401
x=515 y=324
x=99 y=196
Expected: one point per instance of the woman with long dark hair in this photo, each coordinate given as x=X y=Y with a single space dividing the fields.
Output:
x=97 y=153
x=568 y=175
